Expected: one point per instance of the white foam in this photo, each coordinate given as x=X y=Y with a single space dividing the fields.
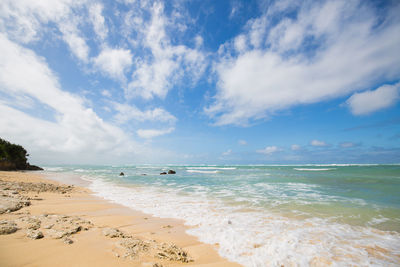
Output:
x=53 y=169
x=309 y=169
x=260 y=238
x=378 y=220
x=211 y=168
x=199 y=171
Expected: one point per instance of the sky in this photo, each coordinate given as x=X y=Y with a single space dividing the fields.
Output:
x=201 y=81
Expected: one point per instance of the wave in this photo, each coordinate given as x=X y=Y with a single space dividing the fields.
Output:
x=199 y=171
x=80 y=170
x=53 y=169
x=261 y=238
x=211 y=168
x=309 y=169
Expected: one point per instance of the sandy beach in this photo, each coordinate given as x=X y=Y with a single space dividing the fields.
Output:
x=45 y=223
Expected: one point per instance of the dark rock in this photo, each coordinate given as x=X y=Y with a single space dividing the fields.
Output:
x=14 y=157
x=30 y=167
x=163 y=173
x=122 y=174
x=7 y=166
x=171 y=172
x=34 y=234
x=68 y=241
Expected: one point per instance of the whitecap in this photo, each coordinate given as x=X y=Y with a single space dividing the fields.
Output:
x=309 y=169
x=211 y=168
x=199 y=171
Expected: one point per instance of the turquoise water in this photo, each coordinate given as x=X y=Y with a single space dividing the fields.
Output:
x=269 y=215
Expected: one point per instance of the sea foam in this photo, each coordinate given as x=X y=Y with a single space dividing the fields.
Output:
x=258 y=237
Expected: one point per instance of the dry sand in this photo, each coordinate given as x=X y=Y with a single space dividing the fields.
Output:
x=79 y=229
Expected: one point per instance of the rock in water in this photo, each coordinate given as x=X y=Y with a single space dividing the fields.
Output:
x=122 y=174
x=171 y=172
x=163 y=173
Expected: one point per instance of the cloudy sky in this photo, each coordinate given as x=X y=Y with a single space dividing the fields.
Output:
x=201 y=81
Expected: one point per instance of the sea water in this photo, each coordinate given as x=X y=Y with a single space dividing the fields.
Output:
x=343 y=215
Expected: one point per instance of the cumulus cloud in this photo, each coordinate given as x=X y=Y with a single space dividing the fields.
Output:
x=353 y=46
x=74 y=130
x=318 y=143
x=269 y=150
x=24 y=21
x=151 y=133
x=114 y=62
x=371 y=101
x=166 y=64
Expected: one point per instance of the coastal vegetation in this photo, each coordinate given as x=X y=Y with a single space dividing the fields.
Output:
x=14 y=157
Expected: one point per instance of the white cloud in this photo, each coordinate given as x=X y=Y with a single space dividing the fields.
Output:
x=167 y=64
x=318 y=143
x=128 y=112
x=370 y=101
x=279 y=70
x=199 y=41
x=151 y=133
x=240 y=43
x=114 y=62
x=269 y=150
x=295 y=147
x=227 y=153
x=75 y=130
x=98 y=20
x=76 y=43
x=242 y=142
x=24 y=21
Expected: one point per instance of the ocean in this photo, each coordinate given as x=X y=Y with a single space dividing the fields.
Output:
x=344 y=215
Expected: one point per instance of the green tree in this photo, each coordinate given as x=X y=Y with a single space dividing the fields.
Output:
x=14 y=154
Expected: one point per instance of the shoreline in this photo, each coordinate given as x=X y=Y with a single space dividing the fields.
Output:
x=109 y=234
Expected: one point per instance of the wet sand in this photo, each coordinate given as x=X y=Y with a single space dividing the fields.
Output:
x=46 y=223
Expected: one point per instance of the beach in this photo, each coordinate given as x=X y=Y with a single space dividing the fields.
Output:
x=204 y=215
x=46 y=223
x=264 y=215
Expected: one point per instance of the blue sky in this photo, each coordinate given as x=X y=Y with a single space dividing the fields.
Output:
x=207 y=82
